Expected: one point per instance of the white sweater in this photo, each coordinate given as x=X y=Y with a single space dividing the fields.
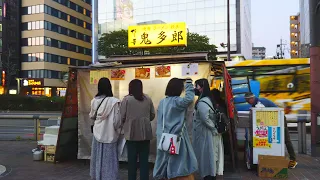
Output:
x=107 y=125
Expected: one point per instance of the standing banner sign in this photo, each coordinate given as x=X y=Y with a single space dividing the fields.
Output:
x=268 y=132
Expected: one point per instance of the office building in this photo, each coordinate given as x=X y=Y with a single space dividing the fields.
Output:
x=305 y=28
x=258 y=53
x=55 y=34
x=10 y=43
x=203 y=17
x=295 y=36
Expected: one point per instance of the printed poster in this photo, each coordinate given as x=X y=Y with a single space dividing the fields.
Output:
x=190 y=69
x=163 y=71
x=261 y=132
x=142 y=73
x=95 y=76
x=118 y=74
x=261 y=143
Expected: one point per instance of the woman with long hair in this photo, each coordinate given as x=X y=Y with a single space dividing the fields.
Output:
x=206 y=140
x=221 y=105
x=105 y=113
x=171 y=119
x=137 y=112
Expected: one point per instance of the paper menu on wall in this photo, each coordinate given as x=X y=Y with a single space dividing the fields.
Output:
x=163 y=71
x=142 y=73
x=190 y=69
x=95 y=76
x=118 y=74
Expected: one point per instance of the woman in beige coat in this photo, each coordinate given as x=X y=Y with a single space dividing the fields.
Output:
x=137 y=112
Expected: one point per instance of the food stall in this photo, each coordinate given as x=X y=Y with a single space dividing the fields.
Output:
x=154 y=71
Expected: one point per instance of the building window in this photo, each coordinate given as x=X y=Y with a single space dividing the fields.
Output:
x=59 y=14
x=0 y=27
x=36 y=41
x=33 y=25
x=74 y=7
x=0 y=42
x=65 y=31
x=46 y=57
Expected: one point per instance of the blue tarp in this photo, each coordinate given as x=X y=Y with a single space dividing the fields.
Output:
x=239 y=89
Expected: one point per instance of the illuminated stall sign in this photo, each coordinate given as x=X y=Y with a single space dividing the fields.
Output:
x=157 y=35
x=32 y=82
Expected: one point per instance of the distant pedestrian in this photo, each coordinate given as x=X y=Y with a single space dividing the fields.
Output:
x=207 y=142
x=105 y=112
x=171 y=119
x=137 y=112
x=253 y=101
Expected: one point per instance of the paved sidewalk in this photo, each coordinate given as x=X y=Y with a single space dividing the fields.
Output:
x=16 y=156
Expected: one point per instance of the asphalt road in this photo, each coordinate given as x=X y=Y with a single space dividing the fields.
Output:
x=13 y=129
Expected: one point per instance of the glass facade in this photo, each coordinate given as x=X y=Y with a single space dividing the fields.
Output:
x=205 y=17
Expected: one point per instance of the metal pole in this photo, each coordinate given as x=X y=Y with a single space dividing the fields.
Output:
x=281 y=49
x=304 y=138
x=314 y=10
x=302 y=133
x=228 y=29
x=95 y=28
x=36 y=129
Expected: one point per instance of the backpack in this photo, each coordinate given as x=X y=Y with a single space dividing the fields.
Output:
x=222 y=120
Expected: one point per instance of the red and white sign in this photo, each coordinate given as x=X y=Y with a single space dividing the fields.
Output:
x=261 y=132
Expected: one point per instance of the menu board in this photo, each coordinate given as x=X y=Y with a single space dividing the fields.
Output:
x=118 y=74
x=142 y=73
x=266 y=129
x=268 y=132
x=163 y=71
x=95 y=76
x=190 y=69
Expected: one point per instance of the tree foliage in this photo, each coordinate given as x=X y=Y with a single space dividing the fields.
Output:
x=116 y=43
x=9 y=66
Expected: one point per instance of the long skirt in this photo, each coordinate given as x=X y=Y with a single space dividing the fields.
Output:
x=219 y=155
x=104 y=164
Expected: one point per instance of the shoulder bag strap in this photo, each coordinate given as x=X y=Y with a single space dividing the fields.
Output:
x=163 y=115
x=96 y=113
x=209 y=106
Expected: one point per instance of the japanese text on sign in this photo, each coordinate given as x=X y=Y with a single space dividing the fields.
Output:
x=267 y=118
x=157 y=35
x=261 y=143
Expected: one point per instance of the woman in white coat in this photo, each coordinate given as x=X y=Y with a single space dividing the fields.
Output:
x=105 y=113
